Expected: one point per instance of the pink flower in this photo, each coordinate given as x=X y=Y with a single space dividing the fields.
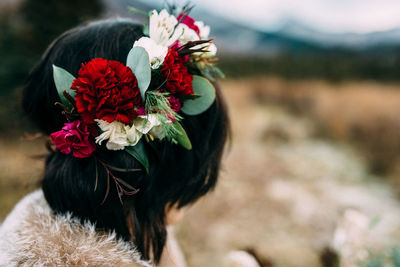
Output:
x=190 y=22
x=74 y=137
x=174 y=103
x=175 y=106
x=140 y=110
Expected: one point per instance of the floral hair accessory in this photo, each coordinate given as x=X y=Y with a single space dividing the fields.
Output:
x=74 y=137
x=166 y=75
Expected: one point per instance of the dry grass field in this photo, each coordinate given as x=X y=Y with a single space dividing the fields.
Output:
x=301 y=155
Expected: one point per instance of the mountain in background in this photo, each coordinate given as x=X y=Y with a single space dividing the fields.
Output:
x=293 y=37
x=294 y=51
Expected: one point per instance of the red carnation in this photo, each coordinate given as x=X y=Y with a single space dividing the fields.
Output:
x=106 y=90
x=179 y=81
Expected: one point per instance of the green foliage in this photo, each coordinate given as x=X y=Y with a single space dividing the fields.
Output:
x=205 y=90
x=157 y=102
x=138 y=62
x=63 y=80
x=139 y=153
x=181 y=136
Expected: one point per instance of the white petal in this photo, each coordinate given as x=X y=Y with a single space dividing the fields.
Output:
x=157 y=132
x=112 y=145
x=115 y=133
x=145 y=123
x=132 y=135
x=104 y=126
x=204 y=30
x=157 y=53
x=162 y=26
x=187 y=34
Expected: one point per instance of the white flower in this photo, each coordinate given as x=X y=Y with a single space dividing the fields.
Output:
x=157 y=53
x=158 y=132
x=212 y=51
x=132 y=135
x=118 y=135
x=204 y=30
x=151 y=124
x=189 y=35
x=185 y=34
x=145 y=123
x=162 y=28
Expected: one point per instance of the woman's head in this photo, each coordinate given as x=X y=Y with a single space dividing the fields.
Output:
x=177 y=177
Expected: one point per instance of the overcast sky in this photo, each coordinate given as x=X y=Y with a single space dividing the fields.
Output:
x=338 y=16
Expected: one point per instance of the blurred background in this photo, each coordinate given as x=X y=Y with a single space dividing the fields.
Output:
x=312 y=177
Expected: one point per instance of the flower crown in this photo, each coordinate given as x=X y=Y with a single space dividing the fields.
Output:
x=167 y=73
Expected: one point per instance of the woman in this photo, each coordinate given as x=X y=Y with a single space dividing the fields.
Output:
x=105 y=206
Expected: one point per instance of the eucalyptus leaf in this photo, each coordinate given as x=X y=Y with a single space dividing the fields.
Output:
x=182 y=137
x=138 y=62
x=63 y=81
x=188 y=97
x=139 y=153
x=204 y=88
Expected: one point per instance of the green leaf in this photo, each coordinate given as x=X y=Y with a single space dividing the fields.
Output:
x=182 y=137
x=63 y=81
x=202 y=87
x=139 y=153
x=138 y=62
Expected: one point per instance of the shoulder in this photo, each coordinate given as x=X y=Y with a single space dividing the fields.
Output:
x=32 y=235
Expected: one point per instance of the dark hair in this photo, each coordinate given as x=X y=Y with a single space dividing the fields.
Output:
x=177 y=176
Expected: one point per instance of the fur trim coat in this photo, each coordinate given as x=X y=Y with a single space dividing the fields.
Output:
x=32 y=235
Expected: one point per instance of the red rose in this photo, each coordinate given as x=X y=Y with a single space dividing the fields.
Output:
x=179 y=81
x=106 y=90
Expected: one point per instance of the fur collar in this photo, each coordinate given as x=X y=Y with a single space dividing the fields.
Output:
x=32 y=235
